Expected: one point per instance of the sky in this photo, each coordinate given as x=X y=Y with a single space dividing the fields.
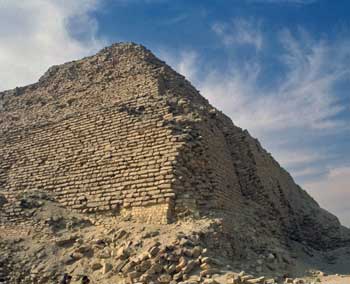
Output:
x=279 y=68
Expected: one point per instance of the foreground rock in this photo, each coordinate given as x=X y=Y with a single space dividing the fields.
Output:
x=57 y=242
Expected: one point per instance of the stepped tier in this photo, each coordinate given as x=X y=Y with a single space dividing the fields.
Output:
x=121 y=133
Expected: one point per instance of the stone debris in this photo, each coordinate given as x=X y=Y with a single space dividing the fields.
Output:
x=121 y=137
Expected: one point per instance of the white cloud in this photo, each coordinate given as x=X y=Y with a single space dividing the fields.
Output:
x=332 y=191
x=187 y=65
x=303 y=98
x=36 y=34
x=304 y=172
x=240 y=31
x=186 y=62
x=293 y=159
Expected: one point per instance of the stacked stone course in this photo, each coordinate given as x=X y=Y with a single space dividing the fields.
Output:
x=121 y=132
x=115 y=155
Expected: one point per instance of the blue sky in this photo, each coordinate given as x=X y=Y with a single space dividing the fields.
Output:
x=280 y=68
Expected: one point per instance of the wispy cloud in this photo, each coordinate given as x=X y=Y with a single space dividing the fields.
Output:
x=187 y=65
x=177 y=19
x=305 y=91
x=332 y=191
x=308 y=171
x=240 y=31
x=36 y=34
x=294 y=159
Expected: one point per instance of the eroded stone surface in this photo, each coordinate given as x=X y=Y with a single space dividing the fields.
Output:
x=122 y=134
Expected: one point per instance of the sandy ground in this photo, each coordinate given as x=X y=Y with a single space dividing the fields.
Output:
x=335 y=279
x=34 y=246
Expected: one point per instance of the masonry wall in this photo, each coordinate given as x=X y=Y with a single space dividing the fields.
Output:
x=97 y=134
x=103 y=160
x=121 y=132
x=206 y=168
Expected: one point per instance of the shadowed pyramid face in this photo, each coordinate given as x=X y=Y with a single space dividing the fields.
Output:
x=120 y=132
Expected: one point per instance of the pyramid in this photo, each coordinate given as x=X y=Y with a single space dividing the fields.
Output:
x=121 y=133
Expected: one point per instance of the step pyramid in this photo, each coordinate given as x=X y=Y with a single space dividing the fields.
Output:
x=122 y=133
